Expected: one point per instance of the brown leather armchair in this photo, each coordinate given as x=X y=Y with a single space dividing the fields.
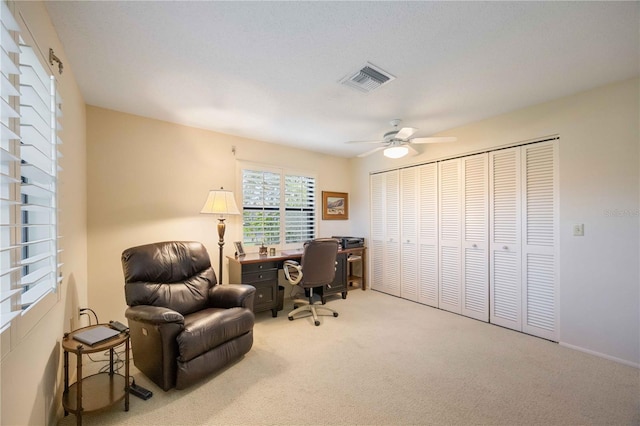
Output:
x=182 y=325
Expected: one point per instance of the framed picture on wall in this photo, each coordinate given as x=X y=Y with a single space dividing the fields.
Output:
x=239 y=248
x=335 y=205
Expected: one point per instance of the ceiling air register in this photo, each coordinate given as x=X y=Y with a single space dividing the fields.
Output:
x=367 y=79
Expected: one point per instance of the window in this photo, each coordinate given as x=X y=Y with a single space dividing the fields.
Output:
x=29 y=237
x=278 y=206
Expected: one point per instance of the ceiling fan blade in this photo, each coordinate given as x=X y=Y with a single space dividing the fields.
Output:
x=412 y=150
x=365 y=154
x=378 y=141
x=405 y=133
x=437 y=139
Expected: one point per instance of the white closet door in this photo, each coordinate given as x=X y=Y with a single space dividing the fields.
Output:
x=376 y=245
x=391 y=267
x=450 y=220
x=475 y=241
x=428 y=234
x=409 y=233
x=505 y=287
x=540 y=240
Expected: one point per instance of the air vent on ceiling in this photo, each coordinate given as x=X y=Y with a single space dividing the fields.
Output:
x=367 y=79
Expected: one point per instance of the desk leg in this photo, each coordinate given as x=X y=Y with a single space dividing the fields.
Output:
x=364 y=270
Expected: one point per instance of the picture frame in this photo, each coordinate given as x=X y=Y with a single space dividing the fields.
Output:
x=239 y=248
x=335 y=205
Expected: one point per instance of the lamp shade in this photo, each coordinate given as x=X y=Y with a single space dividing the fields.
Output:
x=221 y=202
x=396 y=151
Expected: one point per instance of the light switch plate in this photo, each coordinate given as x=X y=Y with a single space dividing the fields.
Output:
x=578 y=230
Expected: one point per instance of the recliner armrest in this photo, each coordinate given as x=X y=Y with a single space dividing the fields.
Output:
x=153 y=314
x=232 y=296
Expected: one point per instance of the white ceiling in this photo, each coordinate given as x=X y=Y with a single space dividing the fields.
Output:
x=270 y=70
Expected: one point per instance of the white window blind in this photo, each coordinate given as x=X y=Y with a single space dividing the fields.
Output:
x=29 y=125
x=278 y=208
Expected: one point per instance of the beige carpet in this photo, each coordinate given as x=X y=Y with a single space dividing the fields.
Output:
x=389 y=361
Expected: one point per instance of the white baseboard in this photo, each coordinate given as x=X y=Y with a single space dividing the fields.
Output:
x=601 y=355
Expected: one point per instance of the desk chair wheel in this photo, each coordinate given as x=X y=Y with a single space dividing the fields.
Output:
x=290 y=318
x=335 y=314
x=317 y=323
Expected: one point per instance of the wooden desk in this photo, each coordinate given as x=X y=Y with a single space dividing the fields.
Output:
x=262 y=273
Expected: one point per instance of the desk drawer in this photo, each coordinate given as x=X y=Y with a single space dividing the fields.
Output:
x=265 y=297
x=258 y=267
x=254 y=277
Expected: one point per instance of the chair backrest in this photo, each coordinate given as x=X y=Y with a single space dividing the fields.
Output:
x=318 y=262
x=172 y=274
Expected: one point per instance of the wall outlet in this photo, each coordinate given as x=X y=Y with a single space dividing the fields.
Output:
x=578 y=230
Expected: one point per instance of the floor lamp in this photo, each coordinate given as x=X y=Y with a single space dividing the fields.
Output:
x=223 y=203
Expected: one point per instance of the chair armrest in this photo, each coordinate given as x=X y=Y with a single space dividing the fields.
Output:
x=292 y=271
x=232 y=296
x=153 y=315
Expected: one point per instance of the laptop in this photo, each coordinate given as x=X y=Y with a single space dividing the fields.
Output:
x=96 y=335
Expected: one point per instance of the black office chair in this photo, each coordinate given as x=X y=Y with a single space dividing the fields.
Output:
x=316 y=268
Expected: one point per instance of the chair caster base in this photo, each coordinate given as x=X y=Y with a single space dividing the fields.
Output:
x=290 y=318
x=317 y=323
x=335 y=314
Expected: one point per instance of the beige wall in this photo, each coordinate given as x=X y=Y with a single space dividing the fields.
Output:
x=599 y=187
x=31 y=371
x=148 y=180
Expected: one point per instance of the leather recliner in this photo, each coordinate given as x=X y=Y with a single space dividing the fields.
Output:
x=183 y=325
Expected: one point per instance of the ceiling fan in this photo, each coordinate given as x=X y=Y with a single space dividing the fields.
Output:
x=397 y=142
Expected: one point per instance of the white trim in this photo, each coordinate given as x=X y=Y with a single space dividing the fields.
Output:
x=601 y=355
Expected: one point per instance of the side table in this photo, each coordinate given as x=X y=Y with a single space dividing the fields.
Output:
x=99 y=390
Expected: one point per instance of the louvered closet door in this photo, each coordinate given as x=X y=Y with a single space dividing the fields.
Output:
x=450 y=215
x=409 y=233
x=428 y=234
x=475 y=241
x=391 y=266
x=376 y=243
x=505 y=287
x=540 y=240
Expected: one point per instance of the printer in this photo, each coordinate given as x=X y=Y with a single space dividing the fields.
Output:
x=350 y=242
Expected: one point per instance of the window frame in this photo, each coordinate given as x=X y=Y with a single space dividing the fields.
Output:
x=282 y=172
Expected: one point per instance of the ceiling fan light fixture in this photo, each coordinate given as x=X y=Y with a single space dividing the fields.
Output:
x=396 y=151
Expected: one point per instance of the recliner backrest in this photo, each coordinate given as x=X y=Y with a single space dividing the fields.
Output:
x=172 y=274
x=319 y=262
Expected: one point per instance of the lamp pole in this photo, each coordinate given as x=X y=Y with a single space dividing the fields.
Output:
x=221 y=228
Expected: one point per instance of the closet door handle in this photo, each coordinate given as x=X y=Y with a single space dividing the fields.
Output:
x=474 y=245
x=505 y=247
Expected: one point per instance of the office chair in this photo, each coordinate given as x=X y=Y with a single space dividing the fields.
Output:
x=316 y=268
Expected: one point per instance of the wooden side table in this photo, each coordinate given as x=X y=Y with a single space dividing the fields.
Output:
x=98 y=391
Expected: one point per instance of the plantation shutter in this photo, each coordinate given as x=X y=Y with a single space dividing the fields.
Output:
x=260 y=207
x=10 y=305
x=39 y=169
x=300 y=208
x=278 y=207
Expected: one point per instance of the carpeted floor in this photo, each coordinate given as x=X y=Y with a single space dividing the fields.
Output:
x=389 y=361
